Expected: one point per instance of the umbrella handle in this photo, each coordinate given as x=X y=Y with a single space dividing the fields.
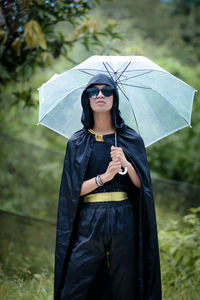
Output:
x=123 y=172
x=125 y=169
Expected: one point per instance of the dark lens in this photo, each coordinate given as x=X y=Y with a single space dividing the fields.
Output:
x=92 y=92
x=107 y=91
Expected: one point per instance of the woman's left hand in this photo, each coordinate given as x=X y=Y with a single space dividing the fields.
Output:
x=118 y=154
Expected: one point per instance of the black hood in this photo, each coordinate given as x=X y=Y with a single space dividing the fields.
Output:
x=87 y=114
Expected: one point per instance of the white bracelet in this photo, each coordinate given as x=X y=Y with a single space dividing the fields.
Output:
x=97 y=180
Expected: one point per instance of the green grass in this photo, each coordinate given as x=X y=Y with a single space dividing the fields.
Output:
x=179 y=253
x=31 y=277
x=39 y=287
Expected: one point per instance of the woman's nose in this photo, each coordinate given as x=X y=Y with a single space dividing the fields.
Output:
x=100 y=94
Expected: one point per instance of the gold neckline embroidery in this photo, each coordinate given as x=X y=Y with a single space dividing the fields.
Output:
x=98 y=136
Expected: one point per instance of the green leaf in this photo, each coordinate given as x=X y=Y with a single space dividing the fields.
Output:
x=4 y=73
x=16 y=45
x=45 y=58
x=34 y=35
x=38 y=2
x=3 y=36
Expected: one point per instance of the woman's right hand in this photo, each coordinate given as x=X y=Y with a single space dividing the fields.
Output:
x=89 y=185
x=113 y=168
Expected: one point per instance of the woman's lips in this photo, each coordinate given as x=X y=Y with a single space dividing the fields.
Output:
x=100 y=102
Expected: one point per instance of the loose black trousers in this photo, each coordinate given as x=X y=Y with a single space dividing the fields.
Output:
x=102 y=227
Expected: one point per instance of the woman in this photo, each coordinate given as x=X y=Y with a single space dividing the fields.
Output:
x=106 y=245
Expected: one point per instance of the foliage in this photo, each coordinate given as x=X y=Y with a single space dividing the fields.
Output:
x=39 y=287
x=29 y=179
x=165 y=36
x=26 y=257
x=31 y=36
x=27 y=271
x=175 y=196
x=27 y=245
x=177 y=157
x=188 y=13
x=180 y=256
x=31 y=188
x=28 y=28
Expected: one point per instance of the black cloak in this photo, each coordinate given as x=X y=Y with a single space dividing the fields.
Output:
x=77 y=155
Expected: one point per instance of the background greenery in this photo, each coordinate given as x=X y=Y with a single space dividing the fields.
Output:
x=40 y=38
x=165 y=31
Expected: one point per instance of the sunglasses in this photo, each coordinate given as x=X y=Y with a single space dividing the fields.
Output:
x=93 y=92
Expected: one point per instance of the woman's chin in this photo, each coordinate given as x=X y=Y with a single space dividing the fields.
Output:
x=101 y=110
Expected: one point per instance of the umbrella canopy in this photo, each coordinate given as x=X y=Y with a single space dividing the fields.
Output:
x=152 y=101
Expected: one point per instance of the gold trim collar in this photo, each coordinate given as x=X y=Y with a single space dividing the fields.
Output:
x=98 y=136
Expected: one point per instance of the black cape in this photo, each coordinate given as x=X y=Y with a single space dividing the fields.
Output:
x=78 y=152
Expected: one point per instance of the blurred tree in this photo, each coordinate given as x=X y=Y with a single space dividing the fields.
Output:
x=189 y=13
x=29 y=36
x=177 y=156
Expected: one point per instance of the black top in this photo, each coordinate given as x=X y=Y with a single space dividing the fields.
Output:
x=98 y=163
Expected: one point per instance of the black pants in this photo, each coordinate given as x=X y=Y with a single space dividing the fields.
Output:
x=103 y=226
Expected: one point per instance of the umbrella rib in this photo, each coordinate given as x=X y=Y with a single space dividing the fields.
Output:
x=173 y=107
x=141 y=87
x=110 y=66
x=138 y=75
x=150 y=70
x=108 y=71
x=86 y=72
x=60 y=102
x=118 y=70
x=123 y=71
x=83 y=70
x=115 y=72
x=118 y=84
x=165 y=135
x=131 y=108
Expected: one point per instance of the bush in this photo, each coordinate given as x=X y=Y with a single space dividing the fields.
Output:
x=180 y=257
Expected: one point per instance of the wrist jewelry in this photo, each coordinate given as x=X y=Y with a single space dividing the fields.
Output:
x=97 y=181
x=100 y=180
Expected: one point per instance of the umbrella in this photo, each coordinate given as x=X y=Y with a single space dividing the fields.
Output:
x=152 y=101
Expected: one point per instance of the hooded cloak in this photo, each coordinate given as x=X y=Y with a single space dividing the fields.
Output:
x=78 y=151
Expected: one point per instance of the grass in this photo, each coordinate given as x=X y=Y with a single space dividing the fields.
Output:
x=179 y=253
x=39 y=287
x=26 y=279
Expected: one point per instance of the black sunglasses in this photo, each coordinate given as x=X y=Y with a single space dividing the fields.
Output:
x=93 y=92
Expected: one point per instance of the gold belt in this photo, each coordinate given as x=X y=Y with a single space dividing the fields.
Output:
x=105 y=197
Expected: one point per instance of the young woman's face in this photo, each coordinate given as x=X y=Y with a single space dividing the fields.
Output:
x=101 y=103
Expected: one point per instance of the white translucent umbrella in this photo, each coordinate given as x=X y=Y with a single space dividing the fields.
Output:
x=152 y=101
